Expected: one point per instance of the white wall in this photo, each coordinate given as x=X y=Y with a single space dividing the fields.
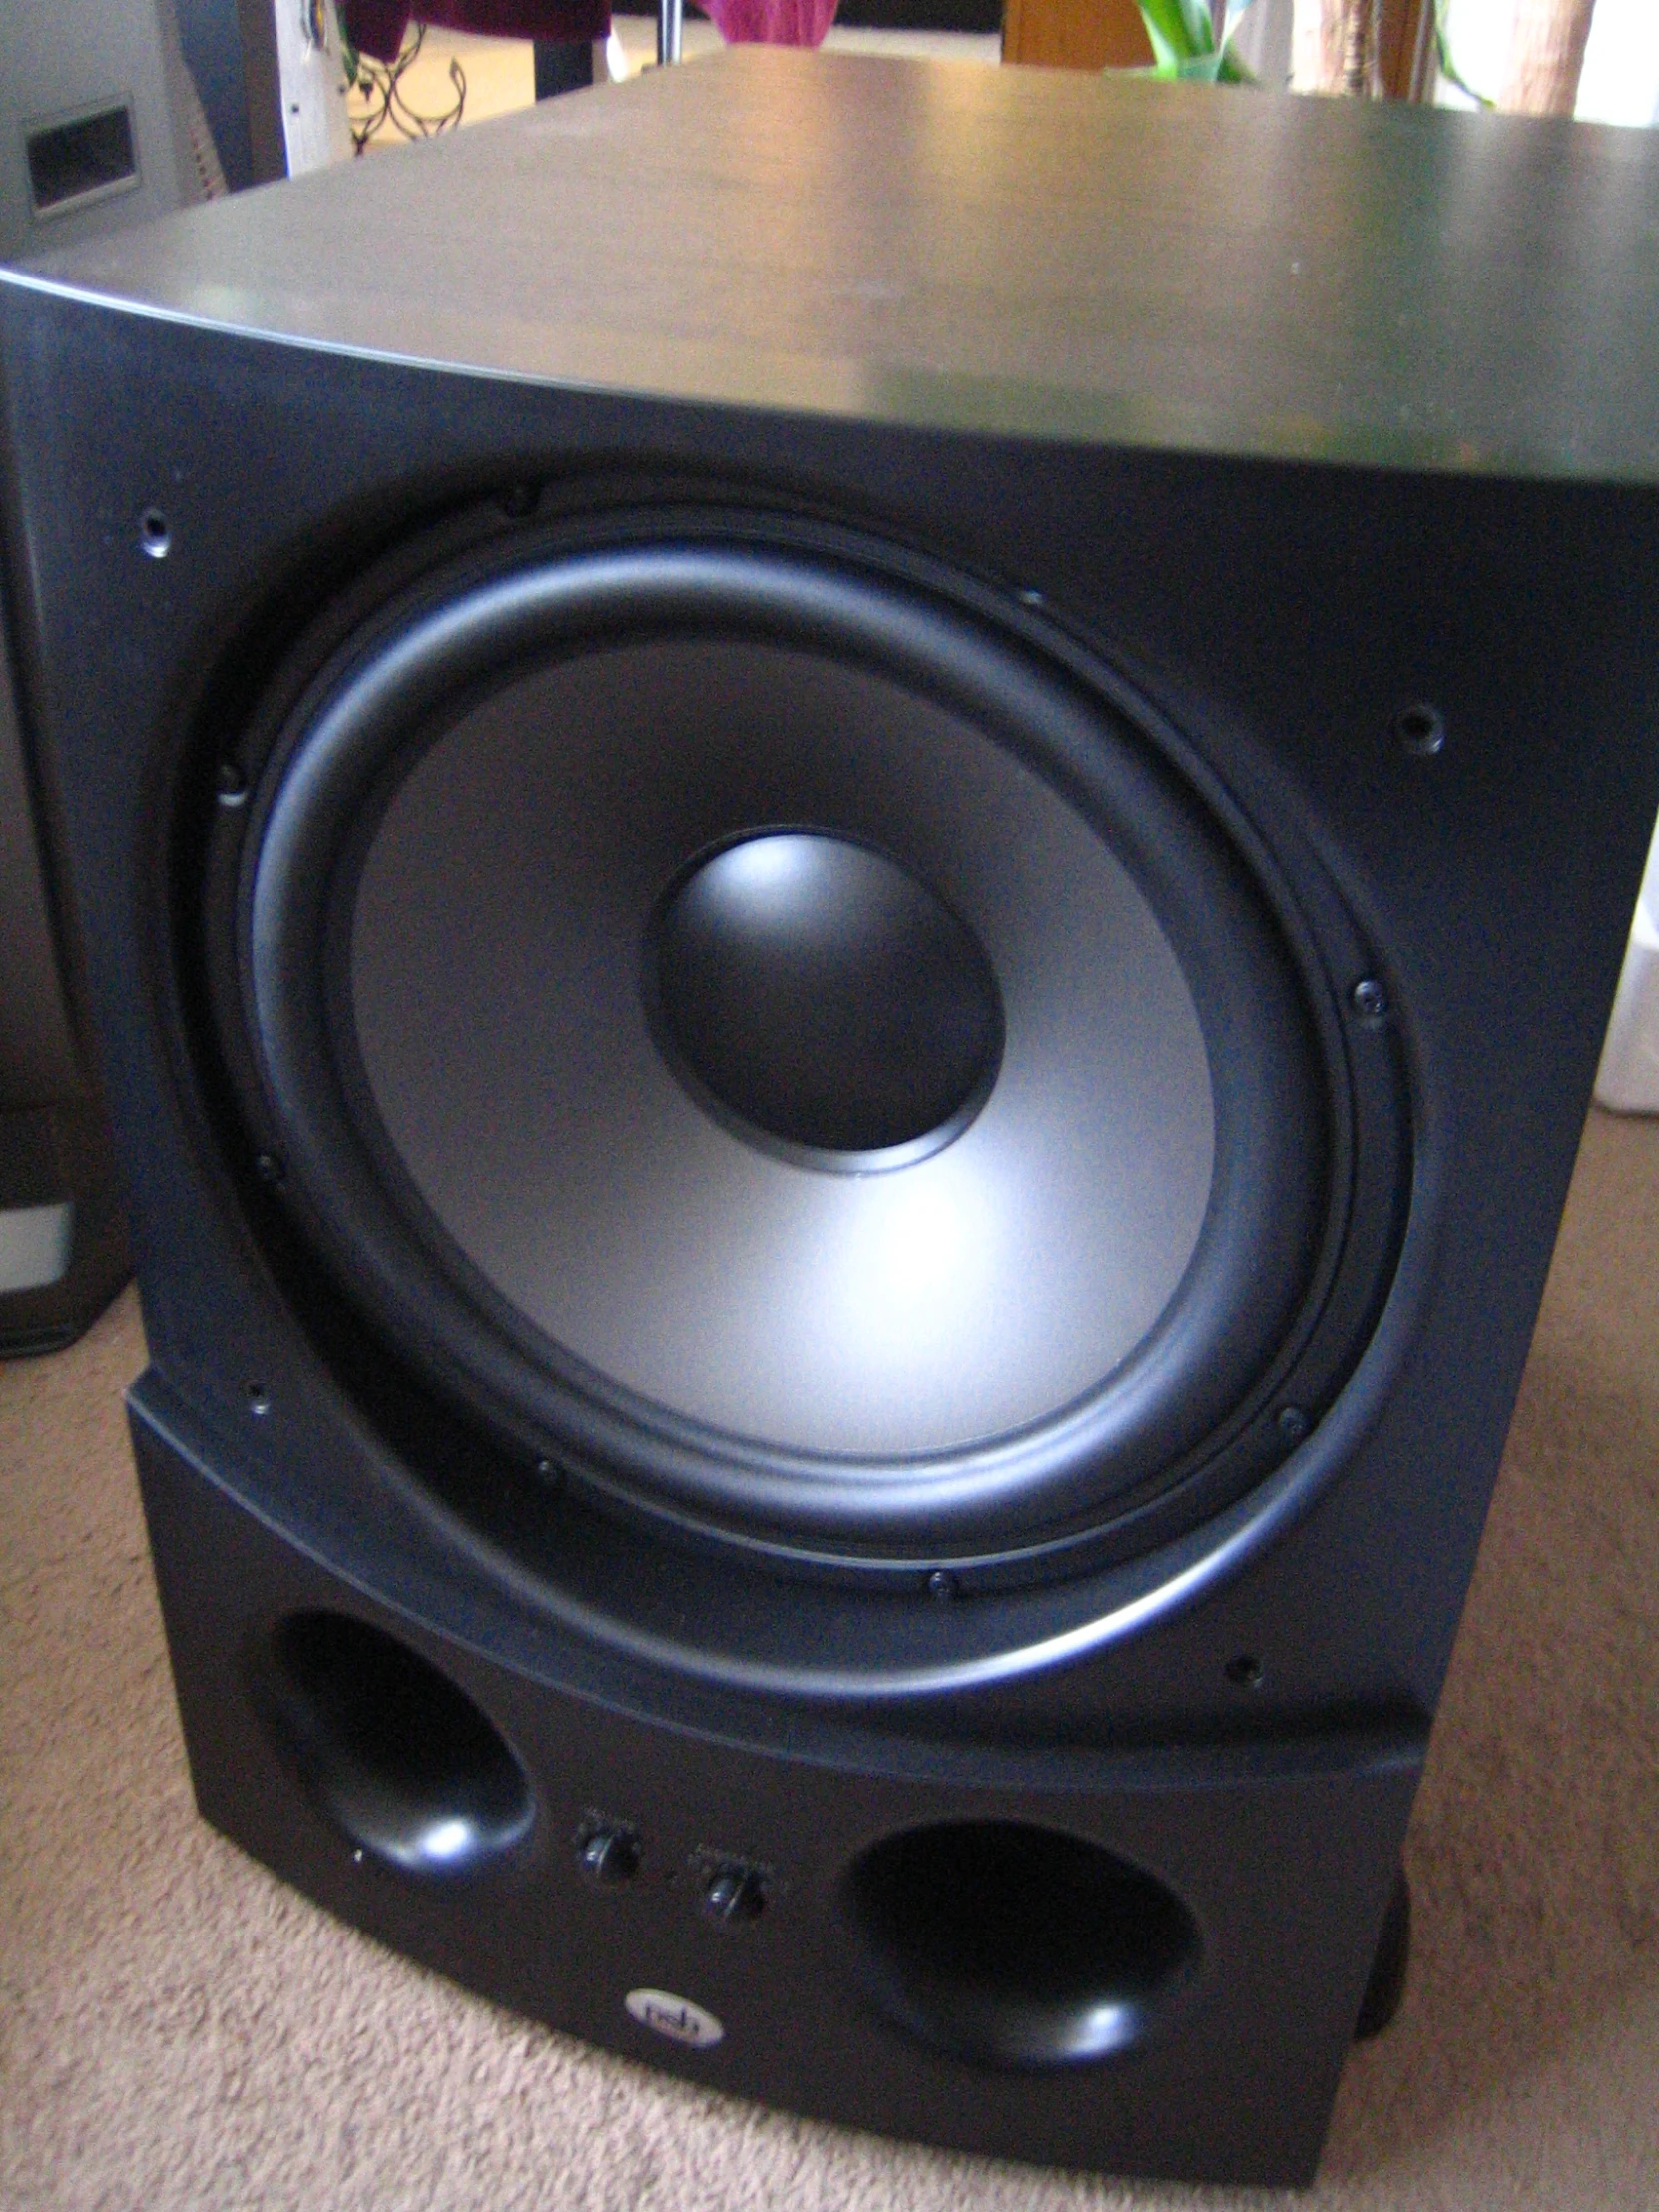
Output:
x=1620 y=83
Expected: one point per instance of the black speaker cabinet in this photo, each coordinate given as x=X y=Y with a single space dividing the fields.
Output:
x=63 y=1242
x=851 y=839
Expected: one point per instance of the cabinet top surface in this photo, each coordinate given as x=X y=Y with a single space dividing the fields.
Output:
x=947 y=245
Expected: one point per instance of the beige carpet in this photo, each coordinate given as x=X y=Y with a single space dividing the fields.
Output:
x=180 y=2031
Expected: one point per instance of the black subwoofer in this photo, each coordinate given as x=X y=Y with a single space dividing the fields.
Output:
x=848 y=1088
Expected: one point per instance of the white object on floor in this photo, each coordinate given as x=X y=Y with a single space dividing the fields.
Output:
x=35 y=1244
x=1628 y=1078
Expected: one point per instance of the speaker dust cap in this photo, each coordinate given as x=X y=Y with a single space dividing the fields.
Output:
x=776 y=1041
x=827 y=999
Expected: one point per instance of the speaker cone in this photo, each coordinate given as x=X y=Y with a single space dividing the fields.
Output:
x=766 y=1036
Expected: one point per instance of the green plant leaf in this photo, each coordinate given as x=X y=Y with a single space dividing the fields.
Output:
x=1180 y=31
x=1184 y=44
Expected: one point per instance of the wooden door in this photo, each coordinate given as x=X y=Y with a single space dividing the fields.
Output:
x=1075 y=34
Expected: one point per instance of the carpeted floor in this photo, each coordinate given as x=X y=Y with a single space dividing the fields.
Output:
x=180 y=2031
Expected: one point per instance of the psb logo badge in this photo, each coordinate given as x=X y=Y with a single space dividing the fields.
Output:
x=676 y=2017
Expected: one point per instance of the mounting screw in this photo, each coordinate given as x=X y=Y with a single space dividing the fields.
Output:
x=941 y=1587
x=1371 y=1001
x=154 y=538
x=269 y=1168
x=1420 y=729
x=1244 y=1672
x=609 y=1855
x=733 y=1894
x=229 y=784
x=1292 y=1425
x=259 y=1400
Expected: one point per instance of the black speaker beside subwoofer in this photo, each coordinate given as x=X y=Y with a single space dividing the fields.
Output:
x=849 y=1004
x=63 y=1242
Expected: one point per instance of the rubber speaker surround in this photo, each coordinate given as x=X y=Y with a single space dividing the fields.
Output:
x=1266 y=1288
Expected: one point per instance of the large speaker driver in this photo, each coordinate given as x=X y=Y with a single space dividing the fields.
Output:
x=955 y=1150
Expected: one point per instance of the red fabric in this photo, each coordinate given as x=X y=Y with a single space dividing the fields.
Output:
x=770 y=22
x=377 y=27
